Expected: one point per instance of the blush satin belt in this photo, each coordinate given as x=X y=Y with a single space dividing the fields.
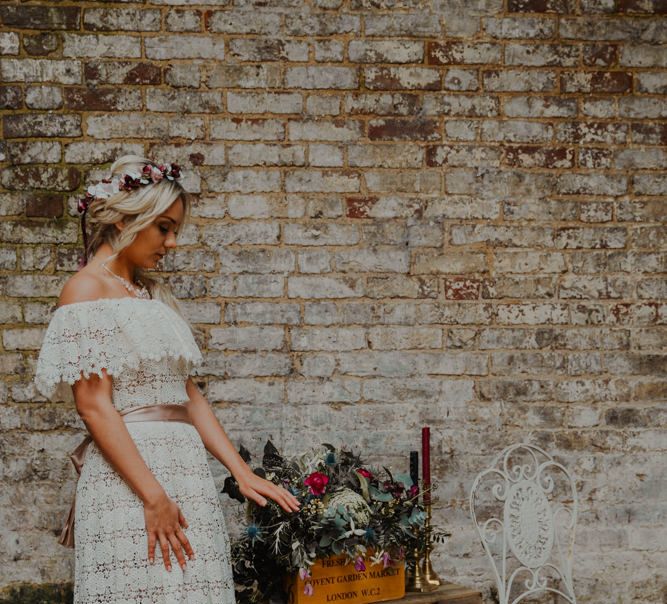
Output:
x=147 y=413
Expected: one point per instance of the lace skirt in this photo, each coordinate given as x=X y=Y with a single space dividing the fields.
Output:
x=111 y=551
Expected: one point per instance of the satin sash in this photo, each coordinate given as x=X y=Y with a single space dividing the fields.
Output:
x=147 y=413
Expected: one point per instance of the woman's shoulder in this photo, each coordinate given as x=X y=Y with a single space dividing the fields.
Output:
x=82 y=287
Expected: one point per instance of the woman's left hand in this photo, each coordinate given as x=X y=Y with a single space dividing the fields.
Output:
x=258 y=489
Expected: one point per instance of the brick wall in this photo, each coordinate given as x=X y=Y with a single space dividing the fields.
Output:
x=410 y=212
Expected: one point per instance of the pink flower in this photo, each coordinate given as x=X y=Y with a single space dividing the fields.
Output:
x=386 y=560
x=308 y=589
x=316 y=483
x=304 y=574
x=364 y=472
x=156 y=174
x=359 y=564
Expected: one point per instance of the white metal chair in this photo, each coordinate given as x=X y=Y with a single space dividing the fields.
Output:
x=524 y=507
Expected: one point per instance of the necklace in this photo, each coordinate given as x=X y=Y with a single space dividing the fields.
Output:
x=139 y=292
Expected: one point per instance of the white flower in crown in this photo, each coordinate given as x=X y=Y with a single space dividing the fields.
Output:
x=104 y=189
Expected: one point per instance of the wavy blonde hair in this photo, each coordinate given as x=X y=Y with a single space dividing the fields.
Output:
x=137 y=209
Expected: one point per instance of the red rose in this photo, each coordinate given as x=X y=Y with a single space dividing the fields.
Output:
x=364 y=472
x=316 y=483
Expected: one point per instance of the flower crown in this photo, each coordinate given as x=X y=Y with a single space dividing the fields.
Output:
x=149 y=175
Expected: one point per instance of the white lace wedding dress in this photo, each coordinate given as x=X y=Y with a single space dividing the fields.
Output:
x=149 y=351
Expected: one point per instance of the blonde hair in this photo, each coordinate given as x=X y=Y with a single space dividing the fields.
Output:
x=137 y=208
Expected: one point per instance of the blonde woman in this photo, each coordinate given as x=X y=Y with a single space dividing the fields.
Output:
x=147 y=525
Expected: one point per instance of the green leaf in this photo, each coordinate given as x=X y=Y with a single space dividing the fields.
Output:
x=363 y=484
x=378 y=495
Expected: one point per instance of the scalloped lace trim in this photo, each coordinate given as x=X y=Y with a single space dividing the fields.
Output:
x=112 y=334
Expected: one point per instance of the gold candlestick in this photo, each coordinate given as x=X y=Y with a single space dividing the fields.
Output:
x=414 y=580
x=430 y=578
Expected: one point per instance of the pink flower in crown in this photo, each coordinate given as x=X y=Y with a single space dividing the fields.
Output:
x=308 y=589
x=156 y=174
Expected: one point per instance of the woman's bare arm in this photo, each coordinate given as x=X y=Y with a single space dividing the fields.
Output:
x=218 y=444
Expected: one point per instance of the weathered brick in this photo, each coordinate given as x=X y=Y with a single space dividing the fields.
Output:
x=404 y=129
x=121 y=72
x=596 y=82
x=102 y=99
x=40 y=44
x=43 y=97
x=322 y=24
x=241 y=180
x=461 y=79
x=94 y=45
x=516 y=131
x=336 y=130
x=244 y=76
x=183 y=20
x=592 y=132
x=247 y=129
x=386 y=51
x=40 y=70
x=184 y=46
x=9 y=43
x=613 y=29
x=138 y=125
x=11 y=97
x=324 y=287
x=642 y=56
x=328 y=50
x=381 y=103
x=186 y=101
x=258 y=102
x=328 y=77
x=402 y=78
x=242 y=22
x=41 y=124
x=600 y=55
x=259 y=154
x=34 y=152
x=461 y=105
x=511 y=80
x=520 y=27
x=32 y=177
x=461 y=53
x=539 y=157
x=540 y=55
x=268 y=49
x=585 y=237
x=40 y=17
x=121 y=19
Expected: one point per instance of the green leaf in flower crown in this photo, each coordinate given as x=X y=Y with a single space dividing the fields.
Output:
x=326 y=540
x=378 y=495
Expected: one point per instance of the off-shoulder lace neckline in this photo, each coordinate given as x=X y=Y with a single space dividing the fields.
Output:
x=105 y=300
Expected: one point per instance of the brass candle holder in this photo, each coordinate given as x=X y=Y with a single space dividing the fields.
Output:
x=430 y=577
x=420 y=576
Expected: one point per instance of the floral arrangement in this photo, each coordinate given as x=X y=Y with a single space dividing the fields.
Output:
x=347 y=507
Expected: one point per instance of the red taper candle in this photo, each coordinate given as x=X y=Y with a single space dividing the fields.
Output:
x=426 y=463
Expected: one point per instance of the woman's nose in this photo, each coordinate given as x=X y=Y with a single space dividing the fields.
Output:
x=171 y=240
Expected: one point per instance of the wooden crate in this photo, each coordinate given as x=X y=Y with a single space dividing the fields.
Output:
x=335 y=581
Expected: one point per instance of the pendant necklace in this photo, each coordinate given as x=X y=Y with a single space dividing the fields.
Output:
x=140 y=292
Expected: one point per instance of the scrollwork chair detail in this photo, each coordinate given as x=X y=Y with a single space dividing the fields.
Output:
x=524 y=507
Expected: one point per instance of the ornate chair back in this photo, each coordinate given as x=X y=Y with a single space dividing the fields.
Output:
x=524 y=507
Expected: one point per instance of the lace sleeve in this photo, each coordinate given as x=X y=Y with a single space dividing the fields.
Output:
x=111 y=334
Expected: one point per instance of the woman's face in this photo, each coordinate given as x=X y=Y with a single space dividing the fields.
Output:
x=155 y=240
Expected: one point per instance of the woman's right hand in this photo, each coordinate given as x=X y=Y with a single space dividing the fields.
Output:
x=164 y=524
